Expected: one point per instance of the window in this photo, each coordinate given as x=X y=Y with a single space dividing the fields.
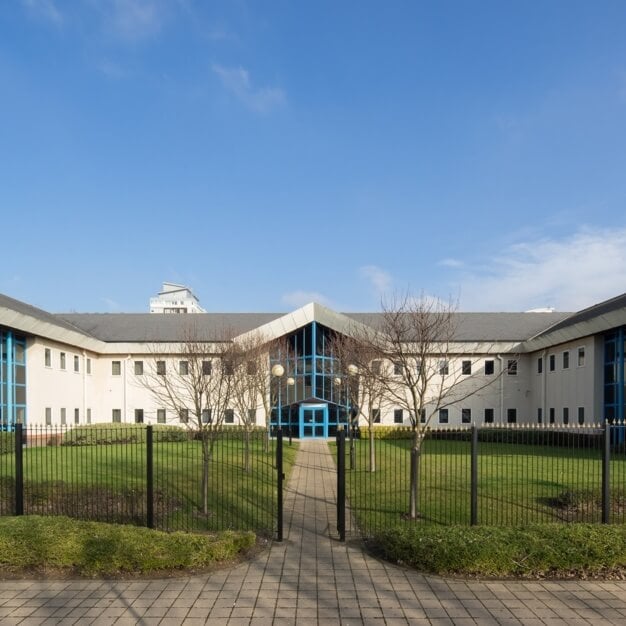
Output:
x=511 y=416
x=160 y=368
x=581 y=356
x=423 y=416
x=88 y=416
x=552 y=358
x=63 y=417
x=206 y=368
x=566 y=360
x=540 y=365
x=207 y=418
x=488 y=416
x=160 y=416
x=183 y=368
x=251 y=368
x=511 y=368
x=48 y=416
x=376 y=416
x=418 y=367
x=88 y=366
x=183 y=416
x=229 y=369
x=62 y=360
x=116 y=368
x=76 y=364
x=466 y=416
x=397 y=368
x=539 y=415
x=466 y=368
x=251 y=416
x=47 y=357
x=443 y=368
x=229 y=416
x=552 y=420
x=443 y=416
x=76 y=416
x=398 y=416
x=566 y=415
x=116 y=415
x=138 y=416
x=138 y=368
x=375 y=367
x=489 y=367
x=581 y=414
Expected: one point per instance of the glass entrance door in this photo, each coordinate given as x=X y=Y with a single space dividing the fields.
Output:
x=313 y=420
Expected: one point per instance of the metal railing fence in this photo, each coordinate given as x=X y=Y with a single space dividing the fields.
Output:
x=143 y=475
x=490 y=475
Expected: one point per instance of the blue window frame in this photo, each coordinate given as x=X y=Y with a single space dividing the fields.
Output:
x=12 y=379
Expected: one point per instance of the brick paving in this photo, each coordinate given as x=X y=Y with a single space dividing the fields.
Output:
x=311 y=578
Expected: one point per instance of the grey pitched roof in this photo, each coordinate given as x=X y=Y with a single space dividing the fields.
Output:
x=588 y=314
x=39 y=314
x=488 y=326
x=139 y=327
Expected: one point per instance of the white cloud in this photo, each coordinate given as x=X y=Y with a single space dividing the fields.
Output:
x=135 y=19
x=380 y=280
x=44 y=9
x=568 y=274
x=260 y=99
x=297 y=299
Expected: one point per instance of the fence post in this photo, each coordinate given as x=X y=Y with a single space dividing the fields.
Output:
x=279 y=481
x=19 y=470
x=341 y=484
x=606 y=474
x=149 y=477
x=474 y=478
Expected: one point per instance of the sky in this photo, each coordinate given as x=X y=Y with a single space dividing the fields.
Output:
x=271 y=153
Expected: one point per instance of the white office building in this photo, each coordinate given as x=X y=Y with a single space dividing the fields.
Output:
x=547 y=367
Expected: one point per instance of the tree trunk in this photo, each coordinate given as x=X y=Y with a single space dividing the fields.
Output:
x=246 y=451
x=206 y=458
x=415 y=477
x=372 y=450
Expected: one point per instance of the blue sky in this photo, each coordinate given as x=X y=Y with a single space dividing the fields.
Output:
x=271 y=153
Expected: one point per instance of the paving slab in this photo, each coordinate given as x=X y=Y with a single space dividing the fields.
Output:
x=312 y=578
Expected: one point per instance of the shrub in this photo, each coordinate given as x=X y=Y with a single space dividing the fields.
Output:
x=7 y=443
x=554 y=550
x=108 y=434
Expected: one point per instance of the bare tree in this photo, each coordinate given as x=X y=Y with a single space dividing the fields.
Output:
x=195 y=384
x=360 y=363
x=415 y=338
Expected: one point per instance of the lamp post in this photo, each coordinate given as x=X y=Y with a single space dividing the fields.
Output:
x=277 y=372
x=352 y=371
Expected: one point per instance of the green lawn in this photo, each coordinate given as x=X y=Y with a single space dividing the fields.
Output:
x=108 y=483
x=517 y=484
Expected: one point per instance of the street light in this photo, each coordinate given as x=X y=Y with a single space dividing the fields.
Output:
x=278 y=371
x=353 y=370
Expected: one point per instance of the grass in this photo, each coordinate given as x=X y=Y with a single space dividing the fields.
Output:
x=108 y=483
x=537 y=551
x=517 y=484
x=60 y=545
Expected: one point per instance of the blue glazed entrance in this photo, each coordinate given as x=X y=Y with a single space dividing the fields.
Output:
x=313 y=420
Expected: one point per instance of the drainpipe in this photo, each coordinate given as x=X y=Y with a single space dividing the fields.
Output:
x=501 y=359
x=544 y=385
x=126 y=360
x=84 y=386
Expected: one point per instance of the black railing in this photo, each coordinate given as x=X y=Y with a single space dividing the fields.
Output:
x=143 y=475
x=489 y=475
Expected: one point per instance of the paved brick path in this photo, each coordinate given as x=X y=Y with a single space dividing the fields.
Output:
x=312 y=579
